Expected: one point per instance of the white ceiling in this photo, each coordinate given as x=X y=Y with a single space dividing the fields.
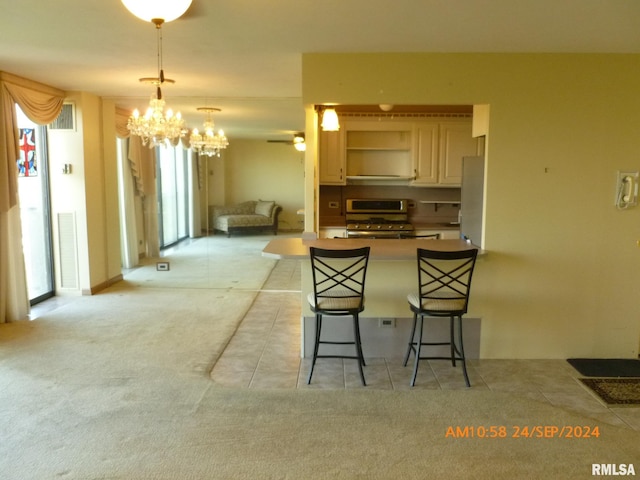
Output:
x=244 y=56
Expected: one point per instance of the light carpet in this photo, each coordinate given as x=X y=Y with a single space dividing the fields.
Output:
x=215 y=262
x=293 y=434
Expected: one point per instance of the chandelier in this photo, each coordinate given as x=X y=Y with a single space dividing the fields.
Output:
x=157 y=127
x=208 y=143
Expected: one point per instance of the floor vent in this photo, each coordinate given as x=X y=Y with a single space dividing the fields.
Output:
x=65 y=120
x=68 y=251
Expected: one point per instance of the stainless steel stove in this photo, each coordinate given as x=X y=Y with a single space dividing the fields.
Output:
x=377 y=218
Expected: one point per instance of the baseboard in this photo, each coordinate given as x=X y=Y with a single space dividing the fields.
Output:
x=101 y=286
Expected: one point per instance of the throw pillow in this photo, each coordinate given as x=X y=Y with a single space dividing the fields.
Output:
x=264 y=208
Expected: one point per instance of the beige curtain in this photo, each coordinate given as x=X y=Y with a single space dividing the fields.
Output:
x=142 y=164
x=42 y=104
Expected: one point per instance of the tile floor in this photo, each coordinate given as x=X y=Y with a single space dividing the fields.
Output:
x=265 y=353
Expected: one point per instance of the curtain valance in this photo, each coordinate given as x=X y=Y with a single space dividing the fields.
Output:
x=42 y=104
x=122 y=118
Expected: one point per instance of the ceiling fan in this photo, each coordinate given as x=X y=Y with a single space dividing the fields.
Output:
x=297 y=141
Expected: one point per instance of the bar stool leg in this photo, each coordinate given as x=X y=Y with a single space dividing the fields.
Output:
x=417 y=353
x=411 y=340
x=452 y=344
x=462 y=356
x=356 y=332
x=316 y=345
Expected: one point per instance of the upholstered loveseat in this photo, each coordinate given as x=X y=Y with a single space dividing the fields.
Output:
x=247 y=217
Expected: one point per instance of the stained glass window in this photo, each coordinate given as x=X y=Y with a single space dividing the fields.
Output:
x=27 y=164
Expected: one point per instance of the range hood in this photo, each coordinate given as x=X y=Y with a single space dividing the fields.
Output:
x=379 y=179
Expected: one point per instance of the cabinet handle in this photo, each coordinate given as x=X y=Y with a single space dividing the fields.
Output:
x=415 y=173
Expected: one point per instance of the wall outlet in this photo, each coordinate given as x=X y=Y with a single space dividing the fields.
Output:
x=162 y=266
x=387 y=322
x=334 y=205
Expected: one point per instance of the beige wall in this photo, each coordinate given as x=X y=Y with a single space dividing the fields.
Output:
x=561 y=275
x=89 y=192
x=255 y=169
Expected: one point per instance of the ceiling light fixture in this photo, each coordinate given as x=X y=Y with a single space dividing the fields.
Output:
x=298 y=142
x=157 y=128
x=149 y=10
x=330 y=122
x=208 y=143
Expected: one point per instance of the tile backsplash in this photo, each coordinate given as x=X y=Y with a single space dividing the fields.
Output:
x=332 y=201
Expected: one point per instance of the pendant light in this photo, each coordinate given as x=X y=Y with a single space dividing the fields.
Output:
x=330 y=122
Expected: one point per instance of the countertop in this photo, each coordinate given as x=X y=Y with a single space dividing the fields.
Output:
x=381 y=249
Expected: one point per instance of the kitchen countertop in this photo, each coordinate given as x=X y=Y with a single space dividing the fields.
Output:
x=381 y=249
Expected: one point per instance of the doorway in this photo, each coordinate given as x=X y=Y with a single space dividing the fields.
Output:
x=35 y=208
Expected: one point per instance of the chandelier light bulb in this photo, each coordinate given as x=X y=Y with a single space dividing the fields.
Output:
x=148 y=10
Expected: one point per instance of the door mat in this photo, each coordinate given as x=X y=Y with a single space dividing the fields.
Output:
x=615 y=391
x=606 y=367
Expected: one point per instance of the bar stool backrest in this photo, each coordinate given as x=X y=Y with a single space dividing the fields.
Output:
x=338 y=278
x=445 y=280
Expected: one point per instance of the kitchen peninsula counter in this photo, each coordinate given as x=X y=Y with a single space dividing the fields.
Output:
x=391 y=275
x=381 y=249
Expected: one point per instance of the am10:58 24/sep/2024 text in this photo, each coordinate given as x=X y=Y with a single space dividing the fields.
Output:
x=517 y=431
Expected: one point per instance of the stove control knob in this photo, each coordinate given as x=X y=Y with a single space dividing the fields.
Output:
x=401 y=227
x=389 y=227
x=368 y=227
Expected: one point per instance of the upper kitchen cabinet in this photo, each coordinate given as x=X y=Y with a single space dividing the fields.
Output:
x=378 y=149
x=332 y=168
x=440 y=147
x=422 y=150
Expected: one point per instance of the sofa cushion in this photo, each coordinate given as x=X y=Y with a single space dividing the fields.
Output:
x=225 y=221
x=264 y=207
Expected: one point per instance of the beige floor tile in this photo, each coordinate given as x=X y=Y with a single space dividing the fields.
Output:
x=265 y=353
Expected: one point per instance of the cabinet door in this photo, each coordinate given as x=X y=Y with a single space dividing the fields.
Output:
x=425 y=167
x=455 y=142
x=331 y=161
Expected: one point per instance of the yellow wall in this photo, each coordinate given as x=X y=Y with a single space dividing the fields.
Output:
x=255 y=169
x=561 y=275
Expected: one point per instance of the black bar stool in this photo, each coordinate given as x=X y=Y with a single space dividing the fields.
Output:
x=444 y=282
x=338 y=290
